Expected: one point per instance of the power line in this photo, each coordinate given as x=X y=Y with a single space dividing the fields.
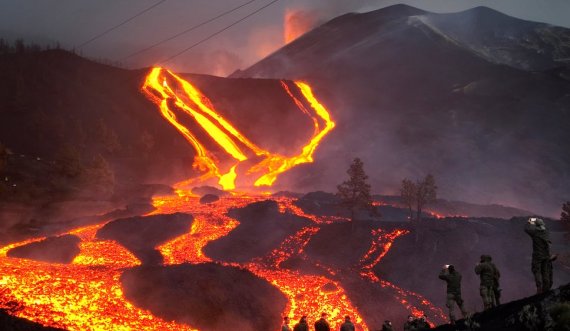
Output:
x=194 y=27
x=217 y=32
x=120 y=24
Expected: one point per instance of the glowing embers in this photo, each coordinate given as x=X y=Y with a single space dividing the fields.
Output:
x=87 y=294
x=381 y=243
x=306 y=294
x=84 y=295
x=169 y=92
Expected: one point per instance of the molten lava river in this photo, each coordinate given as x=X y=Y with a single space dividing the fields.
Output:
x=87 y=295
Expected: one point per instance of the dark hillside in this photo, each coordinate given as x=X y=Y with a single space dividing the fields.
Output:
x=416 y=93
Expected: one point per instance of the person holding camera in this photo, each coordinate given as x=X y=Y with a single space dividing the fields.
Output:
x=453 y=280
x=541 y=266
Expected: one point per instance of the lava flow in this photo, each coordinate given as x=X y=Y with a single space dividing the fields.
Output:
x=87 y=295
x=187 y=98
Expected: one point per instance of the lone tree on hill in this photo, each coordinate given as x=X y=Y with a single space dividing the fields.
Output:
x=418 y=194
x=565 y=215
x=408 y=193
x=3 y=156
x=427 y=193
x=355 y=192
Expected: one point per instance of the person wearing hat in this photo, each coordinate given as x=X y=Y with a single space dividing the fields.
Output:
x=488 y=274
x=347 y=325
x=453 y=279
x=422 y=323
x=541 y=266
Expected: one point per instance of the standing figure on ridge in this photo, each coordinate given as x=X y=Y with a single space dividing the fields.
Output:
x=302 y=325
x=410 y=324
x=285 y=326
x=422 y=324
x=347 y=325
x=387 y=326
x=489 y=275
x=496 y=287
x=453 y=280
x=322 y=324
x=541 y=259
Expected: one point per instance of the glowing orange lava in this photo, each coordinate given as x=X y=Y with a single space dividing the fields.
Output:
x=84 y=295
x=87 y=295
x=169 y=92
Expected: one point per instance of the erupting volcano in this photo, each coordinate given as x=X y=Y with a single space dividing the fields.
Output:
x=88 y=294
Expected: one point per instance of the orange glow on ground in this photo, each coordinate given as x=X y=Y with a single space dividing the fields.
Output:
x=86 y=294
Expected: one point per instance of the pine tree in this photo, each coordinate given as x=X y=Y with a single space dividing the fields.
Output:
x=68 y=161
x=100 y=177
x=355 y=192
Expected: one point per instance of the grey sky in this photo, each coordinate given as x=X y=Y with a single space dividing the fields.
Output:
x=72 y=22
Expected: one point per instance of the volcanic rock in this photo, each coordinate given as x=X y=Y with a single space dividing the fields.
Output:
x=262 y=228
x=12 y=323
x=207 y=296
x=414 y=260
x=142 y=234
x=205 y=190
x=62 y=249
x=320 y=203
x=341 y=244
x=209 y=198
x=547 y=311
x=287 y=194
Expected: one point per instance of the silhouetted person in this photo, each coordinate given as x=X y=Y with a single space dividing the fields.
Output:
x=410 y=324
x=285 y=326
x=453 y=280
x=496 y=286
x=302 y=325
x=541 y=259
x=387 y=326
x=347 y=325
x=422 y=324
x=322 y=324
x=488 y=274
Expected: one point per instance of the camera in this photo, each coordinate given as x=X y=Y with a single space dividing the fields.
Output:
x=532 y=220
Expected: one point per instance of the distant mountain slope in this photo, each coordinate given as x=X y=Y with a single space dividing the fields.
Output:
x=503 y=39
x=415 y=92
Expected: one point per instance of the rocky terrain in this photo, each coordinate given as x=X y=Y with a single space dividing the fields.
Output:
x=209 y=296
x=141 y=235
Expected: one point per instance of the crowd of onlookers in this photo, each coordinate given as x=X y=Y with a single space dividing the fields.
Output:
x=489 y=287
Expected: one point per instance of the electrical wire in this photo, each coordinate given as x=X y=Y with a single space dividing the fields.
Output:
x=217 y=32
x=194 y=27
x=120 y=24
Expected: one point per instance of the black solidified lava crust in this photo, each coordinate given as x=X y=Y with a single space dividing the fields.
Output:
x=207 y=296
